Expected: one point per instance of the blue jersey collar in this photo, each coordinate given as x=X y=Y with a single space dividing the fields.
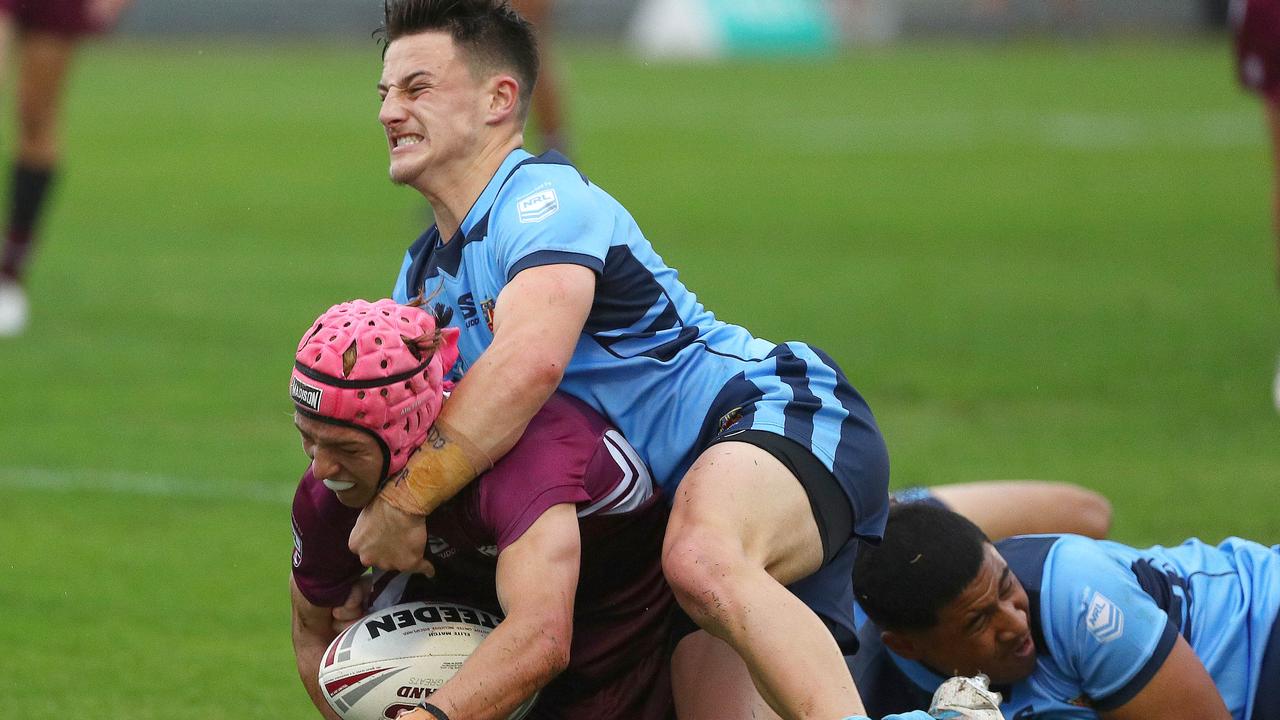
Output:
x=480 y=208
x=918 y=672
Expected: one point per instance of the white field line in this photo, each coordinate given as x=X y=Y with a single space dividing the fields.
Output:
x=142 y=484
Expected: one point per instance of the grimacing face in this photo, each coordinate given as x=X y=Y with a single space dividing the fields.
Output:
x=985 y=629
x=433 y=106
x=347 y=460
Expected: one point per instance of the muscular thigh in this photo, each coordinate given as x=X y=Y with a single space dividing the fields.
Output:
x=44 y=59
x=749 y=500
x=798 y=406
x=710 y=682
x=42 y=72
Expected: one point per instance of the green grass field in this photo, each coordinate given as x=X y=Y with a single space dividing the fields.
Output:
x=1034 y=261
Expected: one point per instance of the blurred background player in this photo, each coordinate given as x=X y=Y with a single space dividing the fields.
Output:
x=46 y=33
x=548 y=106
x=1066 y=626
x=1256 y=27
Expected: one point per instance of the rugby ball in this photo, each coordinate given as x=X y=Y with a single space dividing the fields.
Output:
x=392 y=659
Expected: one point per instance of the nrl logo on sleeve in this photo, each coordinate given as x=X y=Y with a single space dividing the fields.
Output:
x=305 y=395
x=1105 y=621
x=538 y=206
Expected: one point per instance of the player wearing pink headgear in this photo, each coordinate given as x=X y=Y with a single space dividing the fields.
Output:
x=378 y=367
x=563 y=535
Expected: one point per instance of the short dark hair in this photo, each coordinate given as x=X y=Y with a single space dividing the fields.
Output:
x=490 y=31
x=928 y=556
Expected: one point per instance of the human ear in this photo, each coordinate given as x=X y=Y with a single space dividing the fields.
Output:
x=504 y=98
x=902 y=645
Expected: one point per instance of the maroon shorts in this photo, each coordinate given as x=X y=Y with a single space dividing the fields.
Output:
x=58 y=17
x=1256 y=25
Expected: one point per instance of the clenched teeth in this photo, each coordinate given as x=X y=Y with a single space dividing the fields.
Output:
x=408 y=140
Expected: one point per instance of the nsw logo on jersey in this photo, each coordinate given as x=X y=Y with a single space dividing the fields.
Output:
x=537 y=206
x=488 y=307
x=1105 y=620
x=730 y=419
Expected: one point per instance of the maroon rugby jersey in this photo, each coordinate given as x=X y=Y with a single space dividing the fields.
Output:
x=618 y=665
x=60 y=17
x=1256 y=29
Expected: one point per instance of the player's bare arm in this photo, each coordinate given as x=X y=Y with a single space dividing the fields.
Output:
x=313 y=630
x=356 y=605
x=1180 y=690
x=1003 y=508
x=536 y=581
x=537 y=321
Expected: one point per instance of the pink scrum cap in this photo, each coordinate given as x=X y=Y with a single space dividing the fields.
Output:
x=378 y=367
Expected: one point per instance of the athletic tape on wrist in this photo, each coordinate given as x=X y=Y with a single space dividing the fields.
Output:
x=435 y=473
x=437 y=712
x=478 y=458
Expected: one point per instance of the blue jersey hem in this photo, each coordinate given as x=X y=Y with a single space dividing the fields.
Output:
x=556 y=257
x=1139 y=681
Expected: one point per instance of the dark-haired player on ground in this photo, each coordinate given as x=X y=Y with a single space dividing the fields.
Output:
x=563 y=534
x=1255 y=26
x=1066 y=626
x=774 y=465
x=46 y=33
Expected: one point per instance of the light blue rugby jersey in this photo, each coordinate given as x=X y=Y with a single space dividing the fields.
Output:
x=651 y=358
x=1105 y=617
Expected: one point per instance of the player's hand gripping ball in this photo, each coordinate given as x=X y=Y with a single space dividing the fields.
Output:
x=966 y=698
x=391 y=660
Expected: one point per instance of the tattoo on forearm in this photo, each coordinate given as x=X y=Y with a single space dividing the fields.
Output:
x=435 y=439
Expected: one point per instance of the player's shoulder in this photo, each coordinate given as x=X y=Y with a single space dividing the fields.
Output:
x=310 y=491
x=1028 y=556
x=564 y=432
x=315 y=506
x=542 y=187
x=1075 y=563
x=1055 y=569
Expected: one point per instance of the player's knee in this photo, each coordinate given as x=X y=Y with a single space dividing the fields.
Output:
x=702 y=567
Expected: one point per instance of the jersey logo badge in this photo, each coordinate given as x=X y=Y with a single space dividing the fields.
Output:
x=297 y=544
x=305 y=395
x=487 y=307
x=440 y=547
x=1105 y=620
x=729 y=419
x=538 y=206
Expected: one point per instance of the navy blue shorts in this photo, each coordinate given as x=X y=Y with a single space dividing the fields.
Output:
x=798 y=406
